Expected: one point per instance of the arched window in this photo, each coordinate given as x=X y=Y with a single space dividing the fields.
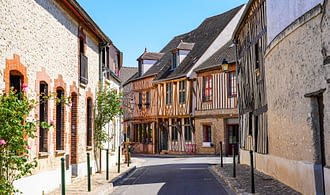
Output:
x=43 y=116
x=59 y=119
x=89 y=121
x=16 y=80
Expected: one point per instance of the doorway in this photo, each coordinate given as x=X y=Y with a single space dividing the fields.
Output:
x=232 y=138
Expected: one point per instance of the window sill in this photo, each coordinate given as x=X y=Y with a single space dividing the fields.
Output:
x=207 y=145
x=82 y=85
x=89 y=148
x=43 y=155
x=59 y=152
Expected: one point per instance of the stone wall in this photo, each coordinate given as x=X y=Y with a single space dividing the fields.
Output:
x=293 y=64
x=217 y=134
x=44 y=38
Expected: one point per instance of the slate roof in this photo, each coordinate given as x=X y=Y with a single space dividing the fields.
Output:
x=150 y=55
x=126 y=73
x=226 y=52
x=157 y=68
x=185 y=46
x=203 y=36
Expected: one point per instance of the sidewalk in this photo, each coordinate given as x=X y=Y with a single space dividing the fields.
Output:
x=99 y=184
x=241 y=184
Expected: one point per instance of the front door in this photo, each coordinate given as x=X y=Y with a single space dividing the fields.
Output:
x=164 y=137
x=232 y=138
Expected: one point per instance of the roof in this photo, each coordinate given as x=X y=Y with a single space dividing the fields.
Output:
x=226 y=52
x=243 y=17
x=203 y=36
x=126 y=73
x=185 y=46
x=150 y=55
x=166 y=51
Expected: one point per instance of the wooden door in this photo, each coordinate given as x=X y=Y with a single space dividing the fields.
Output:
x=232 y=138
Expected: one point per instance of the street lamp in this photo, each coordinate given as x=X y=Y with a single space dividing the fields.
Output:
x=224 y=65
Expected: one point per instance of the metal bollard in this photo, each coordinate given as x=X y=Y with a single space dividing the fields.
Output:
x=234 y=163
x=107 y=165
x=88 y=173
x=221 y=155
x=128 y=155
x=118 y=159
x=252 y=173
x=63 y=176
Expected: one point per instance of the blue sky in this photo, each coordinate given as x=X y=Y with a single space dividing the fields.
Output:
x=137 y=24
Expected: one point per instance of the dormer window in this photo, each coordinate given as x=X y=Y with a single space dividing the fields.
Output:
x=174 y=61
x=148 y=59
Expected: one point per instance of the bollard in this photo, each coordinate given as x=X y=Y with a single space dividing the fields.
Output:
x=118 y=159
x=221 y=155
x=63 y=176
x=252 y=173
x=88 y=173
x=234 y=163
x=128 y=155
x=107 y=165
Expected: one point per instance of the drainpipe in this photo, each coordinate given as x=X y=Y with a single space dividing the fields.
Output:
x=238 y=107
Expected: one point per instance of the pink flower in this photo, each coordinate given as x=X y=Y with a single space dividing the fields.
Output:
x=121 y=107
x=25 y=87
x=70 y=105
x=2 y=142
x=28 y=147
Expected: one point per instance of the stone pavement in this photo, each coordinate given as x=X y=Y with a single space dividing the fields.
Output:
x=99 y=184
x=241 y=184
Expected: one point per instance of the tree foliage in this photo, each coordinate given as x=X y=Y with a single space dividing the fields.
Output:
x=108 y=106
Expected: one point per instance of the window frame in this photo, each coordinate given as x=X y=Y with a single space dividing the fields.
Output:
x=43 y=116
x=169 y=90
x=207 y=133
x=207 y=88
x=182 y=91
x=232 y=88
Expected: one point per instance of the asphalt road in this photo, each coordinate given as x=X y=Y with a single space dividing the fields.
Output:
x=170 y=176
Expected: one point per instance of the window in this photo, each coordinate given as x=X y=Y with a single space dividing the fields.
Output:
x=174 y=61
x=182 y=91
x=16 y=81
x=140 y=100
x=89 y=121
x=60 y=120
x=187 y=130
x=206 y=133
x=257 y=60
x=43 y=116
x=83 y=60
x=174 y=131
x=168 y=93
x=232 y=92
x=207 y=88
x=148 y=99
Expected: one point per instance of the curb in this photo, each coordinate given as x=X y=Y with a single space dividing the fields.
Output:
x=231 y=183
x=117 y=180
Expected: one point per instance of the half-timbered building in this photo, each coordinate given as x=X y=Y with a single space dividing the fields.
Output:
x=141 y=104
x=216 y=116
x=175 y=88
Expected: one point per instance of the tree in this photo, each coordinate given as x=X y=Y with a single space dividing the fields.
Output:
x=108 y=106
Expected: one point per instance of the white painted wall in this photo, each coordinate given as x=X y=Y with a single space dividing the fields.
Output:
x=281 y=13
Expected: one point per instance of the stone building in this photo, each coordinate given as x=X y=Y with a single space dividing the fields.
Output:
x=54 y=46
x=293 y=65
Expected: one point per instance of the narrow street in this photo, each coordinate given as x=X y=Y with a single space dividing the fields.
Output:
x=161 y=176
